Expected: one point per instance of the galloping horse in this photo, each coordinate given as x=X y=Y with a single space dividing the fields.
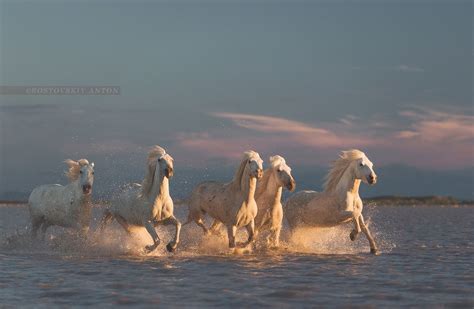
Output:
x=148 y=204
x=231 y=203
x=67 y=206
x=340 y=202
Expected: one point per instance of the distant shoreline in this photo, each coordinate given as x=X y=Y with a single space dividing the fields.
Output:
x=431 y=200
x=389 y=200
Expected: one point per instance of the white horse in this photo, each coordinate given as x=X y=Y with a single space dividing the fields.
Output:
x=67 y=206
x=268 y=198
x=148 y=204
x=231 y=203
x=340 y=202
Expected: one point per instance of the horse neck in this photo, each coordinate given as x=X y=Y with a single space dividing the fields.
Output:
x=160 y=186
x=76 y=189
x=269 y=187
x=248 y=185
x=348 y=184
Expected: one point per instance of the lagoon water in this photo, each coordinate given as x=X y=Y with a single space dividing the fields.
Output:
x=427 y=259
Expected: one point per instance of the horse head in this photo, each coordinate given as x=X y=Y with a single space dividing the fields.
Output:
x=282 y=172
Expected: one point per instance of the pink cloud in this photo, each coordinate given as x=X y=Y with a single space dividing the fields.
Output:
x=431 y=139
x=435 y=126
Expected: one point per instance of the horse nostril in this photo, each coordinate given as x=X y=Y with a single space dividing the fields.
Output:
x=291 y=186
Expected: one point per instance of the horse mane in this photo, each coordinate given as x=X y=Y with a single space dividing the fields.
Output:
x=275 y=161
x=263 y=182
x=74 y=168
x=153 y=155
x=249 y=154
x=339 y=166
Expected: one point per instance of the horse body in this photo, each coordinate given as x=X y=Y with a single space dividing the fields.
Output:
x=67 y=206
x=231 y=203
x=149 y=204
x=340 y=202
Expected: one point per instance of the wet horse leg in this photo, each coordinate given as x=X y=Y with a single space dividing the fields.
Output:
x=35 y=223
x=171 y=246
x=357 y=229
x=231 y=231
x=106 y=219
x=365 y=230
x=275 y=236
x=151 y=230
x=124 y=224
x=251 y=231
x=44 y=227
x=215 y=227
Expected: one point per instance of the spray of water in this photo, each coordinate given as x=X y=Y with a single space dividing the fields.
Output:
x=113 y=241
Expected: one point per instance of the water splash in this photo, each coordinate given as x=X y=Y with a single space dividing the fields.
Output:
x=113 y=241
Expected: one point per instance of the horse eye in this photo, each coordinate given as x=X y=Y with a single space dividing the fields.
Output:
x=361 y=164
x=80 y=172
x=92 y=173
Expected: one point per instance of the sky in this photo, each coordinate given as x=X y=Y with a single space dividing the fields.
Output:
x=209 y=80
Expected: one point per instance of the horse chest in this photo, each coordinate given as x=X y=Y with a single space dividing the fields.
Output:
x=246 y=213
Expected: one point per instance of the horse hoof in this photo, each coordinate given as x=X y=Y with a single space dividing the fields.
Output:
x=374 y=251
x=149 y=249
x=170 y=247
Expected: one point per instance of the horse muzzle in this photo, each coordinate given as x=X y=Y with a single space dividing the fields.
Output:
x=259 y=173
x=87 y=189
x=291 y=185
x=372 y=180
x=169 y=172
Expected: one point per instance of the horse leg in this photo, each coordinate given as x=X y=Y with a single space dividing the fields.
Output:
x=196 y=216
x=44 y=227
x=355 y=232
x=365 y=230
x=124 y=224
x=200 y=222
x=35 y=223
x=151 y=230
x=215 y=227
x=106 y=219
x=275 y=236
x=171 y=246
x=231 y=231
x=251 y=231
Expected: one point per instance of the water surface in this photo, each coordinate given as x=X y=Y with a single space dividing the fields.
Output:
x=426 y=260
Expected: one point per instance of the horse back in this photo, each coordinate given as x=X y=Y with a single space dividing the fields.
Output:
x=212 y=197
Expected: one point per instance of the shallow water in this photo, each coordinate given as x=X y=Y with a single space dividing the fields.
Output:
x=426 y=260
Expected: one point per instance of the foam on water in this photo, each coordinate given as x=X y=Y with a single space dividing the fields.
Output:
x=113 y=241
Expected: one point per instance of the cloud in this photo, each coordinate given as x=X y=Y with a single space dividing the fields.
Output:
x=330 y=135
x=421 y=137
x=273 y=135
x=408 y=68
x=438 y=127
